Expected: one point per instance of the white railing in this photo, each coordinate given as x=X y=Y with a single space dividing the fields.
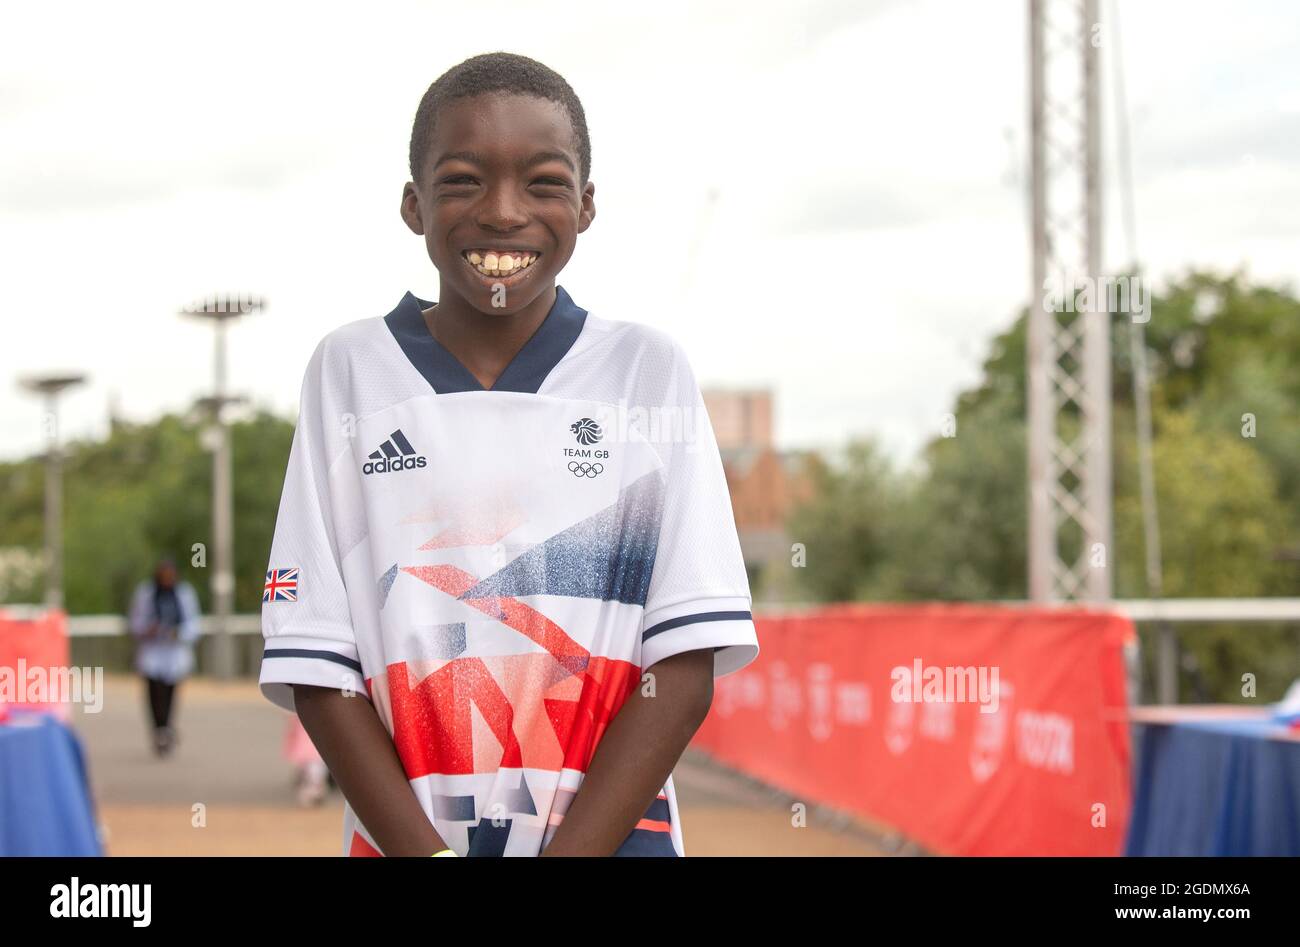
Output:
x=96 y=626
x=1193 y=609
x=1171 y=610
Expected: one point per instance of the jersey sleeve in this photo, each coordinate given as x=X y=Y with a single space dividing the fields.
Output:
x=306 y=621
x=699 y=595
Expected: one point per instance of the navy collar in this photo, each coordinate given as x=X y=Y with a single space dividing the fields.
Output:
x=526 y=371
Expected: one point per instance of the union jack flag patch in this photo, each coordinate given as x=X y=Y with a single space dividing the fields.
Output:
x=281 y=586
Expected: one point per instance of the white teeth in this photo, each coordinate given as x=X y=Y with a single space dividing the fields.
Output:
x=490 y=263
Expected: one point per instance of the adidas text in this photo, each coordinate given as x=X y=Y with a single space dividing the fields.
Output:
x=393 y=465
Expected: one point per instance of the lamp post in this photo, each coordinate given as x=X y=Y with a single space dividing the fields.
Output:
x=221 y=309
x=50 y=387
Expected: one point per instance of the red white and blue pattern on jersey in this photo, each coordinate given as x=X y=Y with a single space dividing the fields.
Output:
x=281 y=586
x=496 y=611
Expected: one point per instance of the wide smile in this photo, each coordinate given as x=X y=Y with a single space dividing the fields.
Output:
x=501 y=266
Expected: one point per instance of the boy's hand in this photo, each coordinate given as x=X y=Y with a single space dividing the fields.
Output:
x=636 y=756
x=359 y=752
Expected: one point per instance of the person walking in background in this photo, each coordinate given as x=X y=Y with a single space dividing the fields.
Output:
x=165 y=623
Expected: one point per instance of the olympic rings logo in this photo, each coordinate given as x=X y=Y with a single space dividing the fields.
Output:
x=584 y=469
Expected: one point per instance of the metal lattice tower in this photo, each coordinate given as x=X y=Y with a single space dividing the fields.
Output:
x=1068 y=352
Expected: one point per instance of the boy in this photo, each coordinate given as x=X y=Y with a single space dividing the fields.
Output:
x=505 y=570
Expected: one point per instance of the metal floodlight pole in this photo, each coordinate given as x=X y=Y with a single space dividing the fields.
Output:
x=1042 y=526
x=221 y=309
x=50 y=387
x=1098 y=477
x=1071 y=555
x=1166 y=638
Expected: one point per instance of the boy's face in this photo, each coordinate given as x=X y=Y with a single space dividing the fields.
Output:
x=501 y=176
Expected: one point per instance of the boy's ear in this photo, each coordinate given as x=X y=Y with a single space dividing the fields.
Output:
x=411 y=209
x=588 y=212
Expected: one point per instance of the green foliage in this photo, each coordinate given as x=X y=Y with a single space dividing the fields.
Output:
x=144 y=493
x=849 y=525
x=1221 y=527
x=1221 y=353
x=1221 y=520
x=968 y=518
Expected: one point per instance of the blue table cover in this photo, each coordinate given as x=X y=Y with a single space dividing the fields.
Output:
x=45 y=804
x=1215 y=787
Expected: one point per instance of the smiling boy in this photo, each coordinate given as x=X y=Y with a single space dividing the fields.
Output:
x=505 y=571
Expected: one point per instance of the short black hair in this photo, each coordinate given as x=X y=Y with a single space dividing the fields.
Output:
x=498 y=72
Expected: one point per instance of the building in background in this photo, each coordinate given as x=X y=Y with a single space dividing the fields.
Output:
x=765 y=483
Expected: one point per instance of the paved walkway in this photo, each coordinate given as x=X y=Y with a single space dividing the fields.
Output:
x=226 y=790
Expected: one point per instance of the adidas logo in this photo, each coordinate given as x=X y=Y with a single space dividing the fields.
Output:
x=393 y=455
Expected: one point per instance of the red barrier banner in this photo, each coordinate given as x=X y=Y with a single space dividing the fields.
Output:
x=972 y=730
x=34 y=657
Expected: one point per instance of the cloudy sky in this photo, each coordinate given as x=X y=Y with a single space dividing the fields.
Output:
x=830 y=194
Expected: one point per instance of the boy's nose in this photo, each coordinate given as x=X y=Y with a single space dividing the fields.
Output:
x=501 y=209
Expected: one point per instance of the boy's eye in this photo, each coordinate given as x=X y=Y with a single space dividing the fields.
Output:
x=464 y=180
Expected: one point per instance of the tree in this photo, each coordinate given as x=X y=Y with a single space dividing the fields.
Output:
x=144 y=492
x=1226 y=414
x=847 y=529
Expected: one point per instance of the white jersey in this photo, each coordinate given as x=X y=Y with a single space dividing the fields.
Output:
x=496 y=569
